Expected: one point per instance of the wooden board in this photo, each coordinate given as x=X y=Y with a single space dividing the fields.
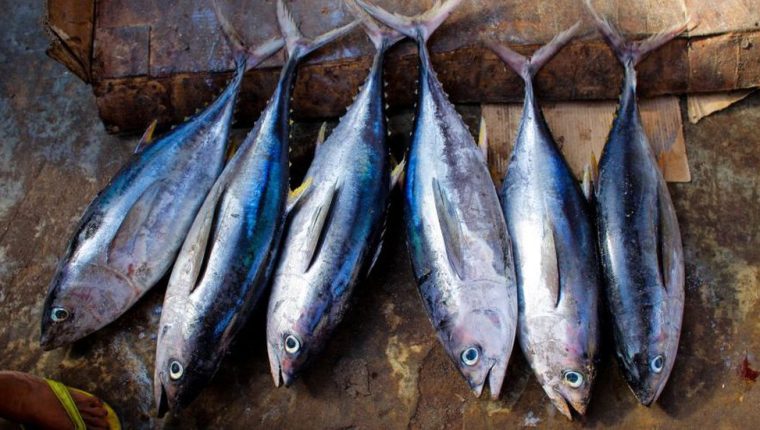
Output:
x=580 y=130
x=162 y=59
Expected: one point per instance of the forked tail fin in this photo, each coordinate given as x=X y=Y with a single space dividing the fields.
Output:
x=297 y=44
x=528 y=67
x=633 y=52
x=244 y=55
x=381 y=37
x=418 y=27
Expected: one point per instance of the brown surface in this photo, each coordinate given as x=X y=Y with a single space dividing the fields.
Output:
x=174 y=49
x=383 y=368
x=581 y=128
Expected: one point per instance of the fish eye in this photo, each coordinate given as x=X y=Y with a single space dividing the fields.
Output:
x=292 y=344
x=59 y=314
x=175 y=370
x=470 y=356
x=572 y=378
x=657 y=364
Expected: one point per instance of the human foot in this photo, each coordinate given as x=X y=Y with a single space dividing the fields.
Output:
x=28 y=399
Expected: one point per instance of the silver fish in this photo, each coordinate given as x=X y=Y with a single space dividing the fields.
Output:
x=639 y=238
x=333 y=229
x=226 y=260
x=130 y=234
x=456 y=233
x=554 y=244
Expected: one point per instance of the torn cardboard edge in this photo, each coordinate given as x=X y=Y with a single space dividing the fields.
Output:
x=702 y=105
x=581 y=128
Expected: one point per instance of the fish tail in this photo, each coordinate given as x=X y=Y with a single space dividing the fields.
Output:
x=245 y=58
x=381 y=37
x=419 y=27
x=296 y=43
x=528 y=67
x=631 y=53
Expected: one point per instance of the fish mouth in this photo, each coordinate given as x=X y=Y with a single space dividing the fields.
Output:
x=567 y=406
x=279 y=375
x=162 y=400
x=646 y=397
x=494 y=378
x=562 y=404
x=48 y=342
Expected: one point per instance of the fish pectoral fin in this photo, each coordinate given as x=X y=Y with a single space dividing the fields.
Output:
x=669 y=252
x=206 y=239
x=449 y=223
x=320 y=225
x=147 y=137
x=397 y=174
x=297 y=195
x=550 y=262
x=193 y=257
x=126 y=237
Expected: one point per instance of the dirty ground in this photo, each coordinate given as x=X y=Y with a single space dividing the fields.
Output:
x=383 y=368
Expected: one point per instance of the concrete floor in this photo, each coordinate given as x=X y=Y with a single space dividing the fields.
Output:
x=383 y=368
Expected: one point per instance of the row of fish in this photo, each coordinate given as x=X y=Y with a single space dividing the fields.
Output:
x=532 y=259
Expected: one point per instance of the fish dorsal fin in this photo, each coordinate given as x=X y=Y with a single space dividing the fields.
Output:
x=130 y=233
x=147 y=137
x=297 y=195
x=397 y=174
x=451 y=229
x=550 y=262
x=483 y=138
x=319 y=226
x=321 y=135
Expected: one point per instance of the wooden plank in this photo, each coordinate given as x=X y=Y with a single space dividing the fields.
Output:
x=581 y=128
x=185 y=51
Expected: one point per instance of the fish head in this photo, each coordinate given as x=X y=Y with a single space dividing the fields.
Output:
x=479 y=343
x=179 y=374
x=82 y=300
x=563 y=353
x=568 y=384
x=295 y=333
x=647 y=371
x=647 y=356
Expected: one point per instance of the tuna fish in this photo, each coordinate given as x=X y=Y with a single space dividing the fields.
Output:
x=333 y=229
x=226 y=260
x=130 y=234
x=554 y=244
x=457 y=237
x=639 y=238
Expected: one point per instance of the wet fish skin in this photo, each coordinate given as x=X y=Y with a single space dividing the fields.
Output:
x=227 y=258
x=639 y=237
x=333 y=230
x=456 y=233
x=554 y=244
x=131 y=232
